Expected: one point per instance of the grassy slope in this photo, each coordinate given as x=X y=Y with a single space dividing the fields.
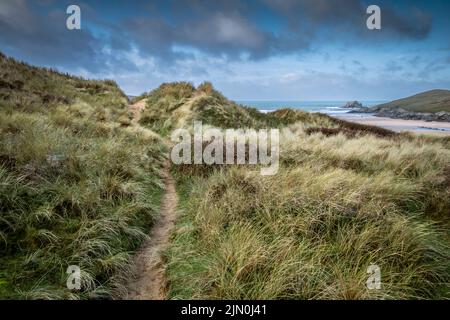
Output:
x=175 y=105
x=346 y=196
x=79 y=186
x=430 y=101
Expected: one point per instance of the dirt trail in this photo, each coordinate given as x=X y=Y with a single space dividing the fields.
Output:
x=150 y=282
x=184 y=113
x=136 y=109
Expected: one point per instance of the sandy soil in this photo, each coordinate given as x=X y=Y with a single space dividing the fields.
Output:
x=417 y=126
x=136 y=109
x=149 y=282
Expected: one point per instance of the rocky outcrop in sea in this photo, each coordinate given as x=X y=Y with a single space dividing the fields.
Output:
x=353 y=105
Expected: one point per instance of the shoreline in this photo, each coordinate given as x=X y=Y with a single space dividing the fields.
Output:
x=398 y=125
x=440 y=128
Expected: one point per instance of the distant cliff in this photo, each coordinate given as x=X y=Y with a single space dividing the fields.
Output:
x=431 y=105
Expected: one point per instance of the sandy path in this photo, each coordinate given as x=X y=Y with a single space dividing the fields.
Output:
x=148 y=266
x=136 y=109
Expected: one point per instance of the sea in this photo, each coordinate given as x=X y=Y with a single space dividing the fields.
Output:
x=335 y=109
x=327 y=107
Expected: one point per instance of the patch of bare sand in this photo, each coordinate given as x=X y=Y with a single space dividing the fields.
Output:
x=136 y=109
x=149 y=281
x=416 y=126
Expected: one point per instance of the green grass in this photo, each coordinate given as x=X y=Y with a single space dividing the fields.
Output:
x=429 y=101
x=336 y=206
x=79 y=186
x=176 y=105
x=346 y=196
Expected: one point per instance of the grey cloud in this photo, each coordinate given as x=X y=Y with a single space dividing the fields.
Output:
x=222 y=32
x=219 y=29
x=436 y=65
x=319 y=11
x=412 y=23
x=227 y=27
x=223 y=28
x=218 y=32
x=350 y=15
x=393 y=66
x=43 y=39
x=360 y=68
x=415 y=60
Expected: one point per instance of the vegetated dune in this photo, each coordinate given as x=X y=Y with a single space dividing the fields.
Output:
x=80 y=185
x=430 y=101
x=175 y=105
x=346 y=196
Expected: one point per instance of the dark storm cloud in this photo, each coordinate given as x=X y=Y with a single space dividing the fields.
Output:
x=234 y=27
x=409 y=22
x=319 y=11
x=225 y=28
x=42 y=38
x=218 y=33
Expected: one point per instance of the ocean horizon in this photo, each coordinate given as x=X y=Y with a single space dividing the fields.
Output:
x=327 y=107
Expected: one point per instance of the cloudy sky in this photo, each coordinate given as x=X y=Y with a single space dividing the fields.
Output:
x=267 y=49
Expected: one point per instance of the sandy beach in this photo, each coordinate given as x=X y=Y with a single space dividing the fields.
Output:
x=399 y=125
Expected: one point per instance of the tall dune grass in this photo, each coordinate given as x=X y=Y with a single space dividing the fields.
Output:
x=77 y=186
x=80 y=185
x=336 y=206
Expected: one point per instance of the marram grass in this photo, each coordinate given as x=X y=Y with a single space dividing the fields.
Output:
x=80 y=184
